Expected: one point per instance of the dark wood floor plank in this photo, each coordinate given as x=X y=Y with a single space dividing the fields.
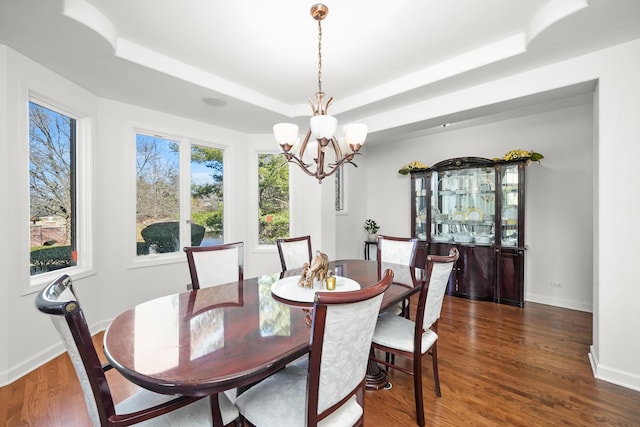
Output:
x=499 y=365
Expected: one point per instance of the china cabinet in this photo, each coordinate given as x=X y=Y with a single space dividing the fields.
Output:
x=476 y=204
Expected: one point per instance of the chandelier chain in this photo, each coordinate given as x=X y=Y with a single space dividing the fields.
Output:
x=319 y=56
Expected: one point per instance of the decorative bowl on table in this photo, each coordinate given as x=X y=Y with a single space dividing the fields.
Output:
x=288 y=289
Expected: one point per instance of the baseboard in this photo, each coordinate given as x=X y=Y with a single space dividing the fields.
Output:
x=559 y=302
x=614 y=376
x=31 y=364
x=45 y=356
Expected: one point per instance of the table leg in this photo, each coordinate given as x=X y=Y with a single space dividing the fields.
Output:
x=376 y=377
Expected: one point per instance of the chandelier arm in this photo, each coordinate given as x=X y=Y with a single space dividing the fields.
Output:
x=348 y=159
x=322 y=144
x=326 y=106
x=336 y=148
x=292 y=158
x=303 y=147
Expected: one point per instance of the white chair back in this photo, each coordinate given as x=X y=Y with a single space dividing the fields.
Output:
x=215 y=265
x=345 y=351
x=397 y=251
x=435 y=295
x=295 y=254
x=59 y=301
x=394 y=252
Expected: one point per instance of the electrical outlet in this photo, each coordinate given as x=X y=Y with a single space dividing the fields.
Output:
x=556 y=284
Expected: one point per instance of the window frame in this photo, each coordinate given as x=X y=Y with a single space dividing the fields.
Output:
x=341 y=179
x=184 y=163
x=83 y=195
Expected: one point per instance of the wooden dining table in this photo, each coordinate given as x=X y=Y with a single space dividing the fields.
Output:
x=205 y=341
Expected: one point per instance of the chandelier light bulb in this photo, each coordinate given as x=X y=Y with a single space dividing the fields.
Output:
x=323 y=126
x=355 y=133
x=286 y=133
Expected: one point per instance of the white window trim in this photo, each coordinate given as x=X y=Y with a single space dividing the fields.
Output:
x=84 y=198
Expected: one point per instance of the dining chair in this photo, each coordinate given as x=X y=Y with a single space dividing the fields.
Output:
x=399 y=251
x=294 y=252
x=399 y=336
x=327 y=388
x=215 y=265
x=58 y=300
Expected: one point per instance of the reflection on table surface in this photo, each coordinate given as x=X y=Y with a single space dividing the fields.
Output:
x=212 y=339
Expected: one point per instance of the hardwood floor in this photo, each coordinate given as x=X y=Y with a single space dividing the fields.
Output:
x=499 y=365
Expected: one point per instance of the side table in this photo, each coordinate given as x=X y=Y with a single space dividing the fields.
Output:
x=367 y=245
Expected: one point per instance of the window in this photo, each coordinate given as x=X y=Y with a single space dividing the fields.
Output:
x=273 y=199
x=162 y=164
x=52 y=190
x=340 y=207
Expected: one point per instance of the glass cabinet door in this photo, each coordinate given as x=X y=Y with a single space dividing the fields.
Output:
x=463 y=206
x=509 y=193
x=420 y=205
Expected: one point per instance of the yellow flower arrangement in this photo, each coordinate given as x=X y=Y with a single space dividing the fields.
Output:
x=415 y=165
x=523 y=154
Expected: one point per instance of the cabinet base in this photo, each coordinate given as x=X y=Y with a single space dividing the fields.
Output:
x=487 y=298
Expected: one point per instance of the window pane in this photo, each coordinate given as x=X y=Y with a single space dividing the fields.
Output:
x=273 y=199
x=52 y=144
x=339 y=190
x=206 y=192
x=157 y=195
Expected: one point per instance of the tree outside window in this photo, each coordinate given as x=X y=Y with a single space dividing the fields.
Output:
x=52 y=174
x=273 y=199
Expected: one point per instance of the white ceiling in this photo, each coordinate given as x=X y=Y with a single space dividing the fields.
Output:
x=261 y=59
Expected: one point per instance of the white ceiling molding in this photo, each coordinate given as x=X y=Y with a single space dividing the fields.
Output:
x=85 y=14
x=550 y=13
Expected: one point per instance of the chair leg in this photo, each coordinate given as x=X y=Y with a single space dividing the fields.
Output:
x=406 y=308
x=417 y=388
x=216 y=415
x=436 y=376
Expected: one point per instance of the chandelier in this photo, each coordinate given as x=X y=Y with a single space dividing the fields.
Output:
x=322 y=128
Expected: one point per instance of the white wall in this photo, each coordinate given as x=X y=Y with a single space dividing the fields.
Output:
x=5 y=274
x=350 y=233
x=559 y=192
